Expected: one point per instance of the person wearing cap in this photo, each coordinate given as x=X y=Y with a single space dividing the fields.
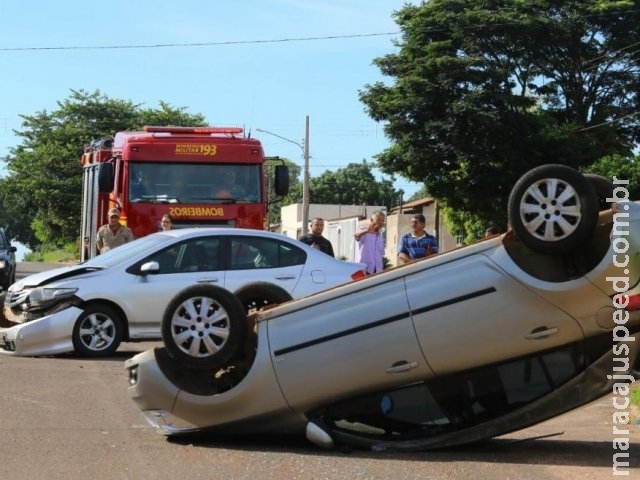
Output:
x=113 y=234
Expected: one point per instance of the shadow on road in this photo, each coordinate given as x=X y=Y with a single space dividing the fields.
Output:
x=548 y=450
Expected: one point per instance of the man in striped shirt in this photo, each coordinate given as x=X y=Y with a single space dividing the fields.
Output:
x=417 y=243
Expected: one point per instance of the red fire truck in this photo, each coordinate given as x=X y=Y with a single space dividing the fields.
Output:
x=202 y=176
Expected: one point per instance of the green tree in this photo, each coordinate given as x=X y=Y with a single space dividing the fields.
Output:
x=41 y=194
x=354 y=184
x=622 y=168
x=294 y=185
x=419 y=194
x=482 y=91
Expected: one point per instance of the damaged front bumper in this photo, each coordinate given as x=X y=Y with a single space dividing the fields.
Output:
x=49 y=335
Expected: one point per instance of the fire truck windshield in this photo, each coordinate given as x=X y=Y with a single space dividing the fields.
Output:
x=193 y=183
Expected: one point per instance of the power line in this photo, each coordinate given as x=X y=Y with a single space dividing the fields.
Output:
x=474 y=27
x=199 y=44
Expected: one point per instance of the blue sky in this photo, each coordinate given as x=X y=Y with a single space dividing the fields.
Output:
x=239 y=78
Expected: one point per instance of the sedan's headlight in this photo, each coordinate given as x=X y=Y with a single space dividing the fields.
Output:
x=3 y=264
x=42 y=297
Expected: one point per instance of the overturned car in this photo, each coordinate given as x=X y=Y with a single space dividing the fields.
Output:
x=465 y=345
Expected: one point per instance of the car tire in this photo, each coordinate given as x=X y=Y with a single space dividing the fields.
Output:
x=204 y=327
x=97 y=332
x=540 y=221
x=258 y=295
x=603 y=188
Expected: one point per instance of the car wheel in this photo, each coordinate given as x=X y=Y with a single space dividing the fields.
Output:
x=553 y=209
x=603 y=188
x=204 y=326
x=97 y=332
x=258 y=295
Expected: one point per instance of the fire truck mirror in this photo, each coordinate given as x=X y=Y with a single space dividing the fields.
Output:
x=282 y=180
x=105 y=177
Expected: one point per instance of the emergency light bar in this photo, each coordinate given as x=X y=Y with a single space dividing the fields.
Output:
x=202 y=130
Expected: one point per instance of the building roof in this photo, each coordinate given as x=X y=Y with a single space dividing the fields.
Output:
x=414 y=206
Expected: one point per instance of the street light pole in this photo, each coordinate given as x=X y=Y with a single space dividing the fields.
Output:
x=305 y=171
x=305 y=180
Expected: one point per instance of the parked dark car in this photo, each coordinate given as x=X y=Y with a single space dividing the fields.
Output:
x=7 y=261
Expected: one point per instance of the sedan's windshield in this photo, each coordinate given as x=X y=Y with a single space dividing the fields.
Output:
x=127 y=251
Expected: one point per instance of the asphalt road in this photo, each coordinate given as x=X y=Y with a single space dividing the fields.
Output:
x=67 y=417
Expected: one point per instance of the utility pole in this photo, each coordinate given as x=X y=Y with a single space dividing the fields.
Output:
x=305 y=171
x=305 y=180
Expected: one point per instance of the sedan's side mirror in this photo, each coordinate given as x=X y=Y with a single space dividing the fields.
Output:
x=150 y=268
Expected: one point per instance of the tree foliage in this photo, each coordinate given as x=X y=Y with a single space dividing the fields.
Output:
x=354 y=184
x=41 y=194
x=624 y=169
x=294 y=185
x=482 y=91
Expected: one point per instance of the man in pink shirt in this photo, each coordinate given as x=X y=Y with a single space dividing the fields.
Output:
x=370 y=244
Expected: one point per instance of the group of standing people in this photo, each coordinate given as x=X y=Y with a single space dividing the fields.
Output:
x=113 y=234
x=413 y=245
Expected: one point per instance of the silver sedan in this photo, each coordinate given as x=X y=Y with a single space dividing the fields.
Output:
x=121 y=295
x=461 y=346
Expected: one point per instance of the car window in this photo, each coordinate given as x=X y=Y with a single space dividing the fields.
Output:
x=288 y=255
x=442 y=405
x=252 y=253
x=195 y=255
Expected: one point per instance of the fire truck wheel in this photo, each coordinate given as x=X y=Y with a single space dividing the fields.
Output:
x=97 y=332
x=204 y=326
x=261 y=295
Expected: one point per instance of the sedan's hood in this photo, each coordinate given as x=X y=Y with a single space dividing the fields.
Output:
x=50 y=276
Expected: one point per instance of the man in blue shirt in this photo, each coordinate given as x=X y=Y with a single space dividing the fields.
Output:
x=417 y=243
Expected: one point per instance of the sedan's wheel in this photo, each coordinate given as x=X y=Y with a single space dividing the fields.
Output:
x=553 y=209
x=258 y=295
x=204 y=326
x=97 y=332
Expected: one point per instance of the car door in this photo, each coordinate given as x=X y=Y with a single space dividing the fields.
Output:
x=196 y=260
x=343 y=341
x=257 y=259
x=468 y=313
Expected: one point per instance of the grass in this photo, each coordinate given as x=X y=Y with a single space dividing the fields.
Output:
x=635 y=396
x=67 y=254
